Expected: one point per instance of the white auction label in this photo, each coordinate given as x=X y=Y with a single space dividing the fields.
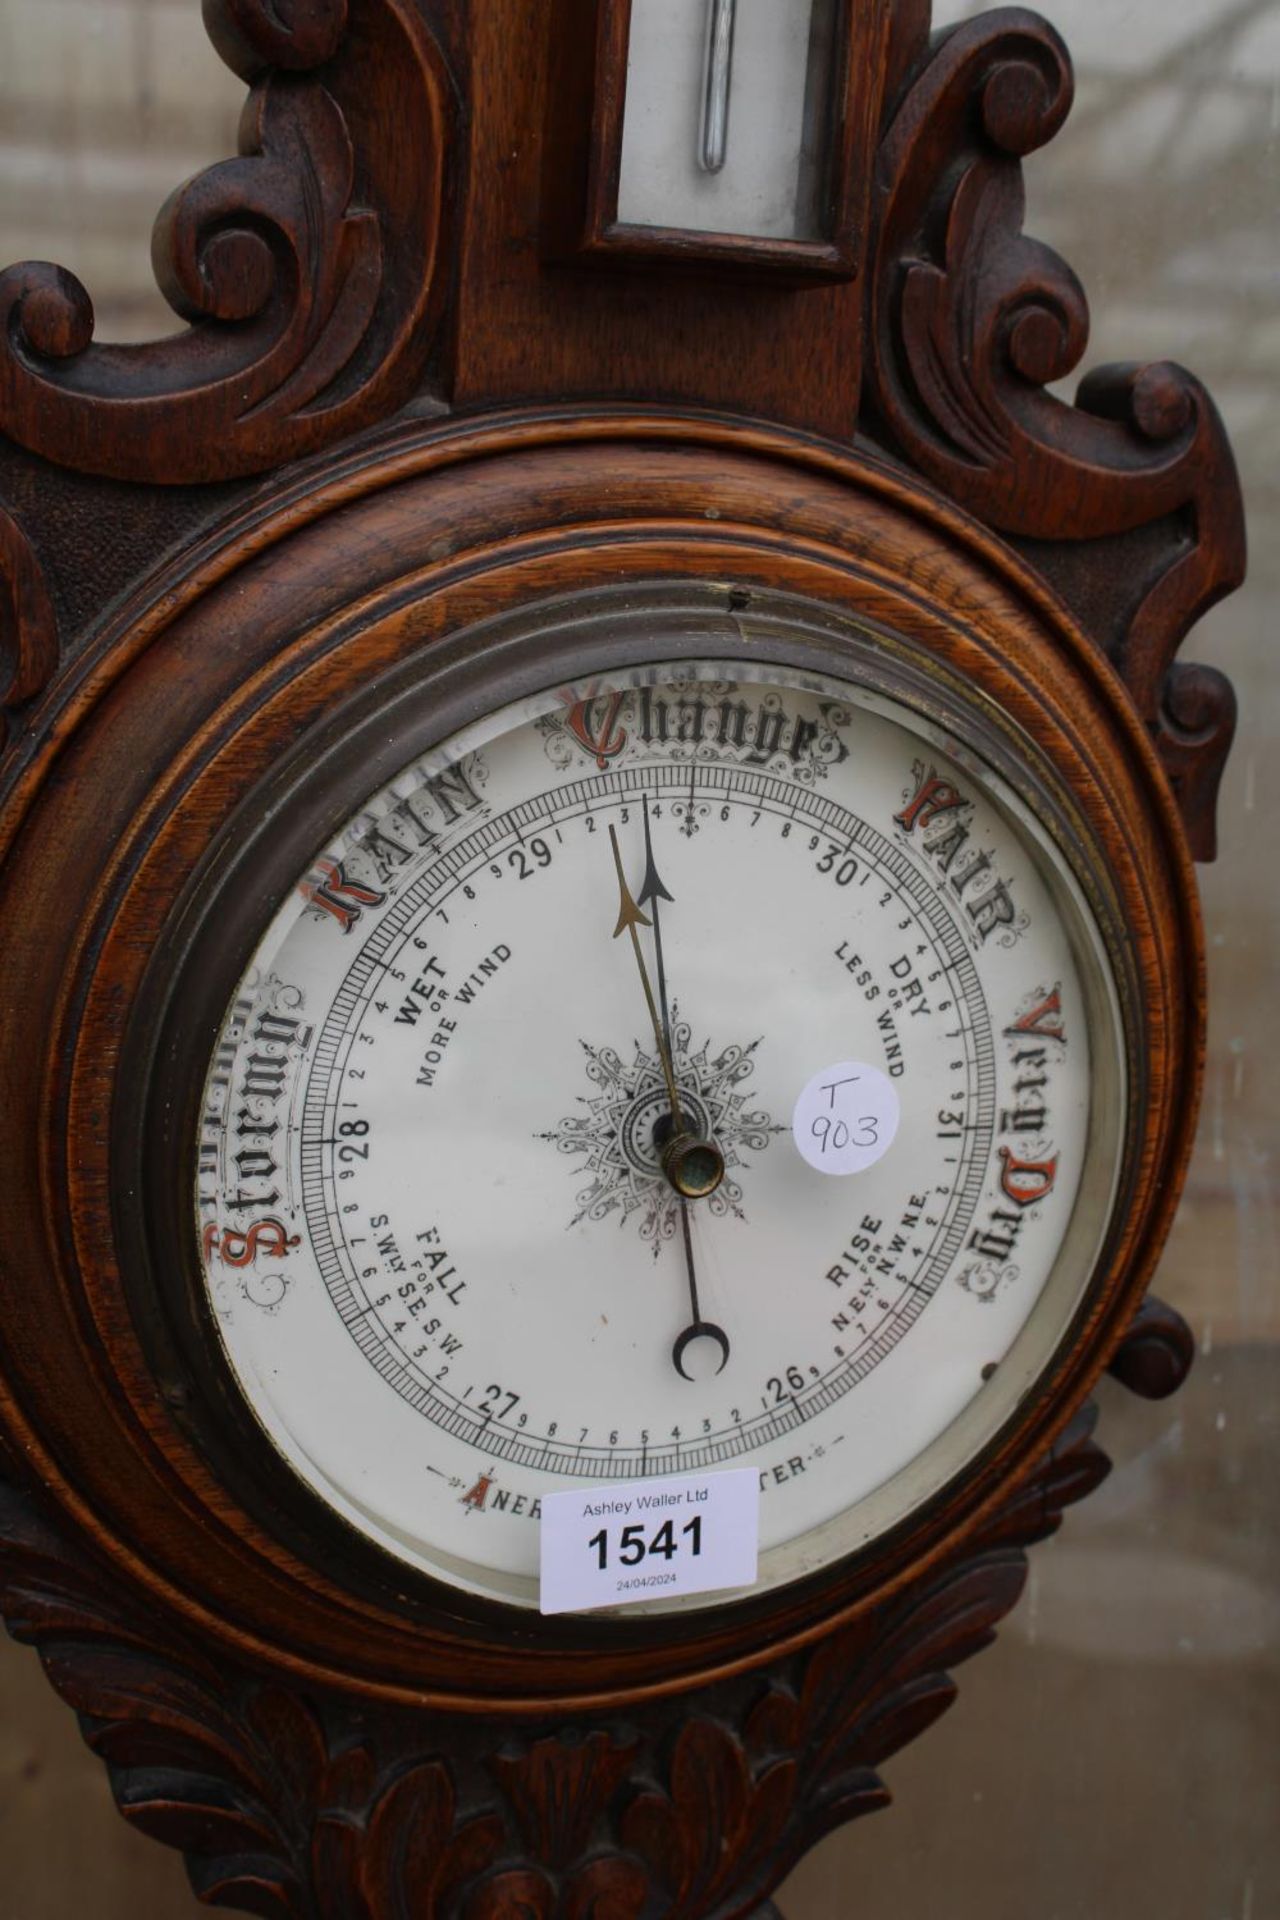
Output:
x=649 y=1540
x=846 y=1117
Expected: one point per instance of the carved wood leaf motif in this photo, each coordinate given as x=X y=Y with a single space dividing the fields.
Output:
x=284 y=1814
x=558 y=1791
x=715 y=1830
x=412 y=1853
x=307 y=269
x=611 y=1887
x=1071 y=1470
x=868 y=1692
x=971 y=320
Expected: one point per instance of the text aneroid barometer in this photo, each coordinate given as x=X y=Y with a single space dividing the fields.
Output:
x=712 y=1061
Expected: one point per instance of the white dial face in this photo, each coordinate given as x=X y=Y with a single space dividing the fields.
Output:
x=448 y=1268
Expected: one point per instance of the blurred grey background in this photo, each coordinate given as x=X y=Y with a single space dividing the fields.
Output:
x=1118 y=1751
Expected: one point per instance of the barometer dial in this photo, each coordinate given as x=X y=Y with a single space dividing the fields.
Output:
x=712 y=1065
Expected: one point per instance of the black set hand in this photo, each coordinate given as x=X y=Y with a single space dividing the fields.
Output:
x=694 y=1166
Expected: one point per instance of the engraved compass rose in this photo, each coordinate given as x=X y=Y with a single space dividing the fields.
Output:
x=619 y=1133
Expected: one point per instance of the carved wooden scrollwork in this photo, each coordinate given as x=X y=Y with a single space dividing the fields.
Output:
x=28 y=625
x=252 y=35
x=971 y=320
x=312 y=270
x=307 y=266
x=1156 y=1354
x=295 y=1807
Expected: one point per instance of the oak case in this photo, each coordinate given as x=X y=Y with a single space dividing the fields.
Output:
x=224 y=674
x=321 y=1730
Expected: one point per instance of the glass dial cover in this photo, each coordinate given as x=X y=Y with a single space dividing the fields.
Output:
x=446 y=1257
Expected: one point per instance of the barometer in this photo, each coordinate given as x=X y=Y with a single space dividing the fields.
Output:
x=715 y=1061
x=600 y=948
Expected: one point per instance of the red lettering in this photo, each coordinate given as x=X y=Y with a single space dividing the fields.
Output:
x=598 y=736
x=478 y=1494
x=932 y=797
x=235 y=1249
x=1045 y=1019
x=1026 y=1181
x=334 y=893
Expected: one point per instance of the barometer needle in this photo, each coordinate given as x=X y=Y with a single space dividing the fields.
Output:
x=651 y=892
x=629 y=918
x=695 y=1167
x=698 y=1328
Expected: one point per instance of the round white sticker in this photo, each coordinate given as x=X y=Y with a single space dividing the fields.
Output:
x=846 y=1117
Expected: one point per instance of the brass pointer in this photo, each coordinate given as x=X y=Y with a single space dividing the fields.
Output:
x=695 y=1167
x=652 y=894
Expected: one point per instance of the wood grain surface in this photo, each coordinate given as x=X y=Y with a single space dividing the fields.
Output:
x=475 y=427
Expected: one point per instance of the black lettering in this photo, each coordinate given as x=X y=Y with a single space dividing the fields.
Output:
x=254 y=1164
x=996 y=1246
x=994 y=909
x=803 y=735
x=769 y=724
x=252 y=1199
x=943 y=847
x=264 y=1077
x=277 y=1029
x=453 y=794
x=1023 y=1120
x=391 y=1254
x=382 y=843
x=980 y=863
x=733 y=723
x=653 y=718
x=690 y=715
x=422 y=830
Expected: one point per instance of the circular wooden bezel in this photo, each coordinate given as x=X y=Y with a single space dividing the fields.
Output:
x=187 y=706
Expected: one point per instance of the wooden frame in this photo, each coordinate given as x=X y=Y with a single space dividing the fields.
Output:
x=596 y=98
x=247 y=645
x=390 y=420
